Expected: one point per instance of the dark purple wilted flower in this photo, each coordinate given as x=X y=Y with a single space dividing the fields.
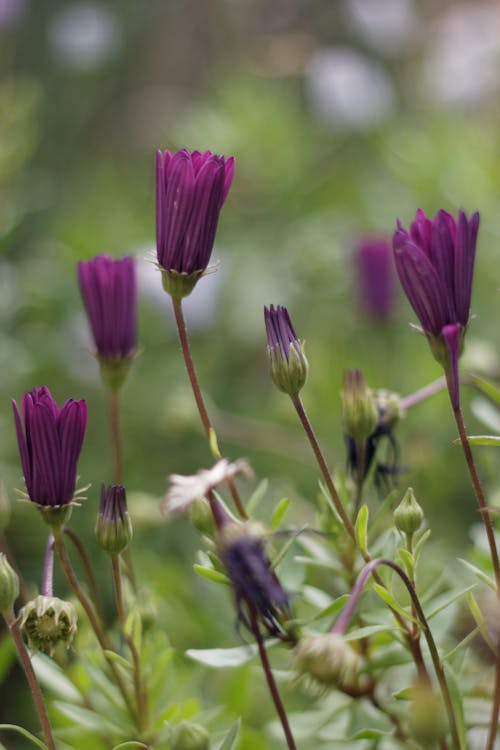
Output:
x=435 y=263
x=374 y=277
x=286 y=352
x=49 y=445
x=191 y=188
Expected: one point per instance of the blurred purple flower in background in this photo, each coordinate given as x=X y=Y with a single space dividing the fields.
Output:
x=109 y=292
x=374 y=277
x=190 y=191
x=49 y=446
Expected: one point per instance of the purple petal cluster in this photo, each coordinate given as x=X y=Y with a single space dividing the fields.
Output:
x=50 y=445
x=435 y=263
x=280 y=331
x=109 y=292
x=375 y=277
x=191 y=188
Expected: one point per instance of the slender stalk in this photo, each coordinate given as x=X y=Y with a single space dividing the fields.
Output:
x=476 y=483
x=140 y=693
x=92 y=617
x=47 y=588
x=495 y=706
x=36 y=692
x=423 y=393
x=271 y=683
x=346 y=614
x=89 y=573
x=360 y=475
x=299 y=407
x=198 y=397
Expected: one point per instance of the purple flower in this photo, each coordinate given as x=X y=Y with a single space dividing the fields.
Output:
x=113 y=527
x=286 y=352
x=435 y=263
x=109 y=292
x=190 y=191
x=49 y=445
x=374 y=276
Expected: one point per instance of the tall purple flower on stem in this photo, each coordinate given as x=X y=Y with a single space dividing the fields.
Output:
x=49 y=444
x=435 y=263
x=191 y=188
x=286 y=352
x=109 y=292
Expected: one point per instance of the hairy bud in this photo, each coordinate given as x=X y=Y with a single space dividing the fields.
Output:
x=328 y=659
x=48 y=621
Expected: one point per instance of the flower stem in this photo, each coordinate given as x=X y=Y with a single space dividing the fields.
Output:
x=423 y=393
x=346 y=614
x=92 y=617
x=495 y=706
x=299 y=407
x=195 y=386
x=476 y=483
x=140 y=693
x=36 y=692
x=47 y=588
x=271 y=682
x=89 y=573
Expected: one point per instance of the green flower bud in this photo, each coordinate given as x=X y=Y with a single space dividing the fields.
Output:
x=113 y=526
x=201 y=516
x=409 y=515
x=48 y=621
x=388 y=406
x=286 y=352
x=428 y=722
x=359 y=411
x=328 y=659
x=190 y=736
x=9 y=585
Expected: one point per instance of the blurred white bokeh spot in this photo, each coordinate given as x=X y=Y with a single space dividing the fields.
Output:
x=85 y=35
x=387 y=25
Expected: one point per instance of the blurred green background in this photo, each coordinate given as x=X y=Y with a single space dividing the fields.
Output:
x=342 y=116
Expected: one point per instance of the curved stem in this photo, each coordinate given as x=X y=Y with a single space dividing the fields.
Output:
x=140 y=694
x=36 y=692
x=271 y=683
x=92 y=617
x=198 y=397
x=423 y=393
x=89 y=573
x=346 y=614
x=299 y=407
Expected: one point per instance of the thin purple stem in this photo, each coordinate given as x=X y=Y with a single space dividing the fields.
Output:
x=423 y=393
x=47 y=588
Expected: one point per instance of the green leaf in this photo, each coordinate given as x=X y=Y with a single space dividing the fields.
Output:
x=364 y=632
x=484 y=577
x=211 y=574
x=87 y=718
x=486 y=388
x=479 y=620
x=480 y=440
x=131 y=743
x=450 y=601
x=361 y=528
x=113 y=656
x=332 y=608
x=419 y=545
x=390 y=600
x=370 y=734
x=280 y=512
x=408 y=561
x=25 y=733
x=226 y=657
x=51 y=676
x=405 y=694
x=229 y=741
x=257 y=496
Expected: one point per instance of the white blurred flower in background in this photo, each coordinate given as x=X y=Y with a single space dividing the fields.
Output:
x=85 y=35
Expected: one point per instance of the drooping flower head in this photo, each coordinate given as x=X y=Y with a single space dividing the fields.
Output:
x=435 y=263
x=374 y=277
x=49 y=445
x=286 y=352
x=191 y=188
x=109 y=292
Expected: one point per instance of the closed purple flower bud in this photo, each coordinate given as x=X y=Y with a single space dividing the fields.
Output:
x=286 y=352
x=50 y=444
x=435 y=263
x=191 y=188
x=109 y=292
x=113 y=526
x=374 y=277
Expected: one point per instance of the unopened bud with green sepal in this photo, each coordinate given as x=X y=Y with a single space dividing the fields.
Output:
x=327 y=659
x=359 y=410
x=48 y=621
x=408 y=516
x=113 y=526
x=9 y=585
x=190 y=736
x=286 y=352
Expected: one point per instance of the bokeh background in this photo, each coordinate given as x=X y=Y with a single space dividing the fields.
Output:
x=342 y=116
